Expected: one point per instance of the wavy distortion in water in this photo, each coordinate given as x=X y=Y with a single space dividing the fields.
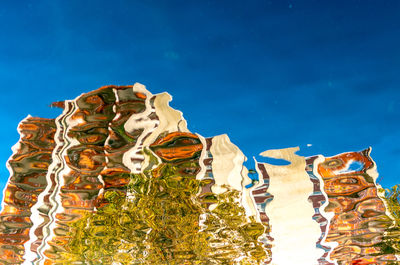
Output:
x=118 y=178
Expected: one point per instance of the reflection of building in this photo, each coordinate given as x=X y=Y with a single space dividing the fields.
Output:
x=117 y=178
x=359 y=216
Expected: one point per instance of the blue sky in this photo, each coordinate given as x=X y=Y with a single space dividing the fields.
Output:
x=271 y=74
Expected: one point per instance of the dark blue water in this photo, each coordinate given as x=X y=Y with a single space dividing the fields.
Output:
x=271 y=74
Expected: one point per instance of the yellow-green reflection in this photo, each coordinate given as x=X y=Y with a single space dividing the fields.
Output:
x=163 y=220
x=391 y=237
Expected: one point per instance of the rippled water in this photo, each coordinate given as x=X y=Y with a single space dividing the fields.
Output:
x=119 y=179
